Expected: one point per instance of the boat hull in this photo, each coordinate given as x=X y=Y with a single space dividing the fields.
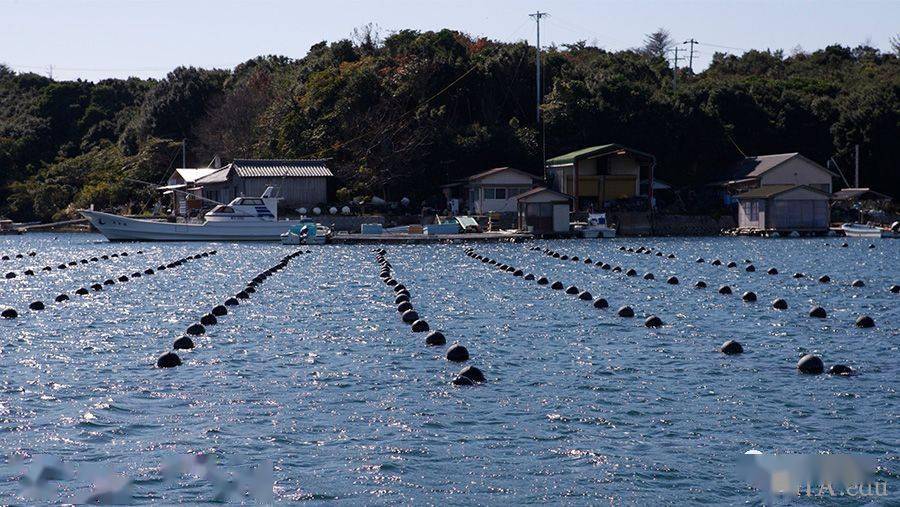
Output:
x=118 y=228
x=864 y=231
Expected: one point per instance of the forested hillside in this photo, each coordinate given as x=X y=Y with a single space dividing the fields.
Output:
x=401 y=115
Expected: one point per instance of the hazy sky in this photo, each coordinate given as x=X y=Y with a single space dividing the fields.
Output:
x=93 y=39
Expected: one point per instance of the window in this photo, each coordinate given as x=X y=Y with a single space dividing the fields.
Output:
x=222 y=209
x=751 y=209
x=495 y=193
x=252 y=202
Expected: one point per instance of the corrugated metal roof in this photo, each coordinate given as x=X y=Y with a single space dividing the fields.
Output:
x=497 y=170
x=767 y=191
x=281 y=168
x=603 y=149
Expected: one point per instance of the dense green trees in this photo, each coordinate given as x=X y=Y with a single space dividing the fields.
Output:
x=401 y=115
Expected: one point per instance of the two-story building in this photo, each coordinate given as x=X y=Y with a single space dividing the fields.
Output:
x=784 y=192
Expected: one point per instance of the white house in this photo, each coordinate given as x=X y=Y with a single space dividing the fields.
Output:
x=781 y=169
x=494 y=190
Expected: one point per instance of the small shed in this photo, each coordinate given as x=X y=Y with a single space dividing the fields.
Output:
x=784 y=208
x=544 y=211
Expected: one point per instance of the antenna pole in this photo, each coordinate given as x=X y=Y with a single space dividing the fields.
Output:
x=856 y=179
x=184 y=153
x=537 y=64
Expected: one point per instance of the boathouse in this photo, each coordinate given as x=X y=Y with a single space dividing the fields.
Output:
x=298 y=183
x=491 y=191
x=598 y=175
x=542 y=211
x=784 y=208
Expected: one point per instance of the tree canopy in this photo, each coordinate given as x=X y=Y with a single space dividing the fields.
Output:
x=400 y=115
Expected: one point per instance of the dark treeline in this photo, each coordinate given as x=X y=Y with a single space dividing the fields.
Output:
x=401 y=115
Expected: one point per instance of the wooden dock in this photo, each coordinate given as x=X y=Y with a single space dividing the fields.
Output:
x=348 y=239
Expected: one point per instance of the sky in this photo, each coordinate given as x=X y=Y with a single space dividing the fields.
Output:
x=96 y=39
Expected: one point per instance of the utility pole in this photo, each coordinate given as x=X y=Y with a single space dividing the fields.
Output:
x=537 y=64
x=675 y=71
x=50 y=72
x=691 y=58
x=856 y=178
x=184 y=153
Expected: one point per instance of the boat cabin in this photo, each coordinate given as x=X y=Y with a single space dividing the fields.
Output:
x=264 y=208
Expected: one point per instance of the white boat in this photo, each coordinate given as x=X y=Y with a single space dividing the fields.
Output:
x=243 y=219
x=306 y=232
x=854 y=230
x=595 y=227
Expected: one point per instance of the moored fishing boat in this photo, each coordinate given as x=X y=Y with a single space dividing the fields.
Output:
x=243 y=219
x=855 y=230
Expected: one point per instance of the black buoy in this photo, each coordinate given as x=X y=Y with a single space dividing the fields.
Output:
x=404 y=306
x=574 y=258
x=749 y=297
x=410 y=316
x=109 y=282
x=472 y=373
x=123 y=278
x=96 y=287
x=700 y=284
x=9 y=313
x=36 y=305
x=772 y=271
x=148 y=271
x=631 y=272
x=601 y=303
x=653 y=321
x=779 y=304
x=249 y=289
x=209 y=320
x=457 y=353
x=572 y=290
x=435 y=338
x=865 y=321
x=731 y=264
x=588 y=260
x=844 y=245
x=659 y=254
x=183 y=343
x=61 y=298
x=196 y=329
x=232 y=302
x=625 y=311
x=672 y=280
x=858 y=283
x=529 y=276
x=824 y=279
x=420 y=326
x=10 y=275
x=716 y=262
x=810 y=364
x=840 y=369
x=649 y=276
x=400 y=298
x=725 y=290
x=242 y=295
x=894 y=289
x=557 y=285
x=671 y=256
x=46 y=268
x=543 y=280
x=81 y=292
x=798 y=275
x=399 y=287
x=168 y=360
x=28 y=272
x=617 y=269
x=817 y=312
x=699 y=260
x=750 y=269
x=219 y=311
x=731 y=347
x=585 y=296
x=463 y=381
x=564 y=257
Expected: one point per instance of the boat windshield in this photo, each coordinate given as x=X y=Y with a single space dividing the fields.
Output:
x=222 y=209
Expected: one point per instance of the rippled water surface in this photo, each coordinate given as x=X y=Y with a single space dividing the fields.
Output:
x=318 y=374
